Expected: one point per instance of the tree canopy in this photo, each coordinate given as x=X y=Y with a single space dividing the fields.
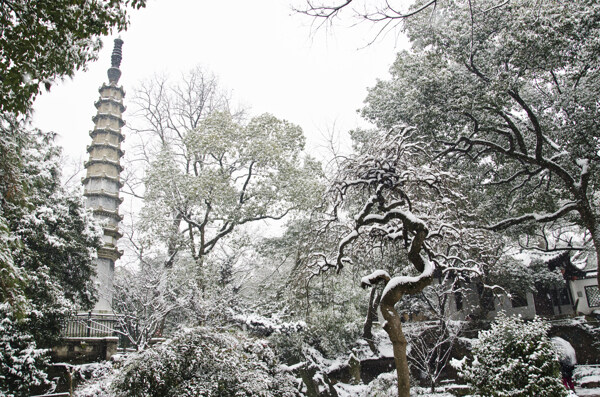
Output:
x=47 y=245
x=506 y=93
x=209 y=172
x=43 y=40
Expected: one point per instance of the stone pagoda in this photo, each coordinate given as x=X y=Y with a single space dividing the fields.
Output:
x=102 y=182
x=90 y=337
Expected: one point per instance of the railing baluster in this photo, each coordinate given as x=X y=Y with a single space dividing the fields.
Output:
x=90 y=325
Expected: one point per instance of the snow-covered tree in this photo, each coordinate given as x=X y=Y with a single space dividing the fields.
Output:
x=155 y=302
x=47 y=245
x=388 y=193
x=145 y=299
x=54 y=241
x=50 y=234
x=205 y=362
x=210 y=173
x=21 y=361
x=39 y=44
x=507 y=93
x=513 y=358
x=11 y=188
x=206 y=176
x=431 y=342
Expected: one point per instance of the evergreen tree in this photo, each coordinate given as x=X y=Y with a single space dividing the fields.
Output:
x=514 y=358
x=47 y=39
x=47 y=246
x=21 y=362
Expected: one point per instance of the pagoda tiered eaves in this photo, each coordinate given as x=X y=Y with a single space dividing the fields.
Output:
x=105 y=144
x=110 y=101
x=103 y=160
x=104 y=176
x=111 y=116
x=108 y=213
x=105 y=86
x=103 y=193
x=108 y=130
x=102 y=182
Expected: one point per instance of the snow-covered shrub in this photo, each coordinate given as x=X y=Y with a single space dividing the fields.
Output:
x=289 y=347
x=331 y=331
x=94 y=379
x=334 y=331
x=385 y=385
x=262 y=325
x=205 y=362
x=514 y=358
x=564 y=350
x=21 y=362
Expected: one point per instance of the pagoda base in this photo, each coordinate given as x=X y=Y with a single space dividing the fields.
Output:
x=82 y=350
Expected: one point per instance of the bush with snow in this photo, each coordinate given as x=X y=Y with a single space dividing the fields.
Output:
x=205 y=362
x=331 y=331
x=565 y=351
x=514 y=358
x=22 y=364
x=385 y=385
x=93 y=379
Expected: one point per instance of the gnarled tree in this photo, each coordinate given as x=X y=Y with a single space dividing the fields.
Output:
x=377 y=186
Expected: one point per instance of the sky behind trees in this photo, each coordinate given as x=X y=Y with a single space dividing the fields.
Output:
x=271 y=59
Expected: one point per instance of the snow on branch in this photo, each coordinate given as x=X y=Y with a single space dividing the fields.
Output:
x=374 y=278
x=404 y=216
x=540 y=218
x=386 y=12
x=401 y=285
x=584 y=176
x=407 y=284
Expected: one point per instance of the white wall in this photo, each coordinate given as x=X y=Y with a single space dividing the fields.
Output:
x=578 y=291
x=503 y=303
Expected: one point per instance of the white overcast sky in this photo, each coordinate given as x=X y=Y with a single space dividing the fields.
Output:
x=269 y=57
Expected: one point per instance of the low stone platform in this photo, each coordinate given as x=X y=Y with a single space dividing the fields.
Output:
x=80 y=350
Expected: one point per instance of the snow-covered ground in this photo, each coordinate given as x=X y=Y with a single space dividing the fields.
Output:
x=587 y=383
x=586 y=377
x=345 y=390
x=363 y=391
x=587 y=380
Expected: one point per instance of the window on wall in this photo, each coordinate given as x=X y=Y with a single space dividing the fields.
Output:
x=518 y=300
x=593 y=295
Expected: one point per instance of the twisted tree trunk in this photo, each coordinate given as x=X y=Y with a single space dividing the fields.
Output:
x=367 y=335
x=394 y=289
x=393 y=327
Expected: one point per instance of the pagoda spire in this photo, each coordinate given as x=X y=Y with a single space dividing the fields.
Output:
x=114 y=73
x=102 y=182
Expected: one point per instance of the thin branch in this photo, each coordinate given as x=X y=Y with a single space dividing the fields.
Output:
x=540 y=218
